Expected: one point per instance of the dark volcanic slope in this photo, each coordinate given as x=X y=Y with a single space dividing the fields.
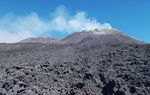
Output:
x=40 y=69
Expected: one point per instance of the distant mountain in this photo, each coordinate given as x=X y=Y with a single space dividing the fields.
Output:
x=105 y=36
x=40 y=40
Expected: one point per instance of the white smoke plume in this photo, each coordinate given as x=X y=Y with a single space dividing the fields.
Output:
x=14 y=28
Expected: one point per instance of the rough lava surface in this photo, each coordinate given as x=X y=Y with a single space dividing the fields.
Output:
x=80 y=68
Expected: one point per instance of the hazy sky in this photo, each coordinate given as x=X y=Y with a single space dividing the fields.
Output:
x=21 y=19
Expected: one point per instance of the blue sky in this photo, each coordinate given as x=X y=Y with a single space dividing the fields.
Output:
x=130 y=16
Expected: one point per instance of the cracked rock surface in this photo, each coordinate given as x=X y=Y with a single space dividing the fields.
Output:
x=74 y=69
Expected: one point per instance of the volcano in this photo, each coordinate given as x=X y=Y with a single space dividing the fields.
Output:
x=95 y=62
x=105 y=36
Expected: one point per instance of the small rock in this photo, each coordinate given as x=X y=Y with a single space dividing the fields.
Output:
x=79 y=85
x=132 y=89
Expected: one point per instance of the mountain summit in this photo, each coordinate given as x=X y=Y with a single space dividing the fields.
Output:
x=105 y=36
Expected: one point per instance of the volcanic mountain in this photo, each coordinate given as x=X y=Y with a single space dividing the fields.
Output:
x=95 y=62
x=105 y=36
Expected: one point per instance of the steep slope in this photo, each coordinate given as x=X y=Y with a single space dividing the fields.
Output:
x=105 y=36
x=40 y=40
